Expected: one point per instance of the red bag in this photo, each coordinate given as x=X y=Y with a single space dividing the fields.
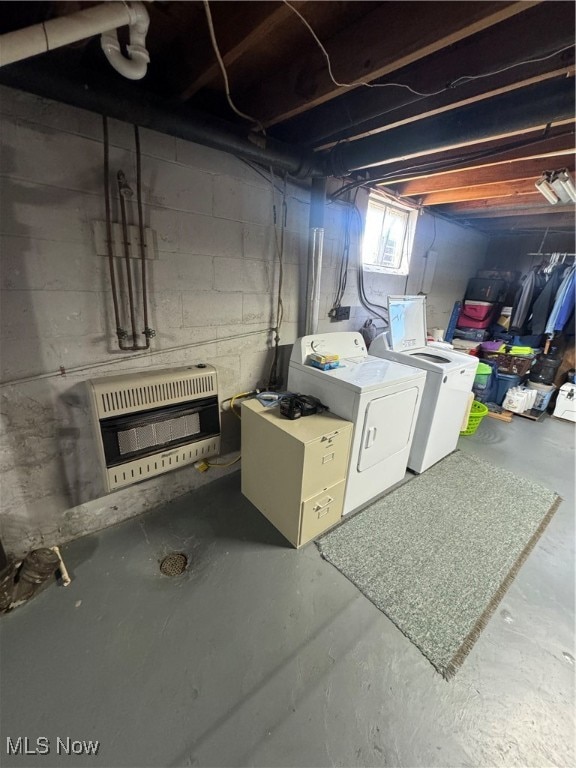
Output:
x=477 y=314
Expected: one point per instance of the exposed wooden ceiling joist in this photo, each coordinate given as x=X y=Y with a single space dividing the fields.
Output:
x=534 y=143
x=358 y=54
x=521 y=205
x=238 y=30
x=481 y=192
x=518 y=223
x=493 y=107
x=487 y=174
x=533 y=36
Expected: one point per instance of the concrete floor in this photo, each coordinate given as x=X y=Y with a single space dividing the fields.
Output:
x=264 y=656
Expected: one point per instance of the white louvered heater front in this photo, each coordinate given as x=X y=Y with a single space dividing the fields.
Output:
x=152 y=422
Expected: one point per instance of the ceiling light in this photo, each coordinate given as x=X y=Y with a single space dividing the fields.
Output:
x=545 y=188
x=563 y=186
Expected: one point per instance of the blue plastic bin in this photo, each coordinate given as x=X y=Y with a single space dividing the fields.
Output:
x=504 y=381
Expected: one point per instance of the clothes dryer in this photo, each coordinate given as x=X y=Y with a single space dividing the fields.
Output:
x=380 y=397
x=449 y=379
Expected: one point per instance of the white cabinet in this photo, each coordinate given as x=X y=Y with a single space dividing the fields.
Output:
x=294 y=472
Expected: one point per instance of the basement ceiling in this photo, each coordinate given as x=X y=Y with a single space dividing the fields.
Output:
x=440 y=68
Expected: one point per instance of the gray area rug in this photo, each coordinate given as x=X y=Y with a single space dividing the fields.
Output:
x=438 y=554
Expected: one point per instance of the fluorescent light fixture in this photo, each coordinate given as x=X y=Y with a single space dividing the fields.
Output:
x=563 y=185
x=557 y=186
x=545 y=188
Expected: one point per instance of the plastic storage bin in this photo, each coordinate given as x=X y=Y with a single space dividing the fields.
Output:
x=477 y=413
x=476 y=314
x=545 y=392
x=482 y=376
x=504 y=381
x=511 y=363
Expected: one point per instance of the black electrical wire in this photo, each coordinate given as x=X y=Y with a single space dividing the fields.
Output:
x=273 y=379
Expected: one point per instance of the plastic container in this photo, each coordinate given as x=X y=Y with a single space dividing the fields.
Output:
x=504 y=381
x=510 y=363
x=476 y=314
x=477 y=413
x=482 y=376
x=545 y=392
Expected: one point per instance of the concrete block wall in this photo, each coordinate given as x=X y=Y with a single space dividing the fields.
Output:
x=212 y=278
x=212 y=298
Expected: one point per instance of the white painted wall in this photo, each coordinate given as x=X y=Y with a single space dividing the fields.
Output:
x=213 y=278
x=460 y=253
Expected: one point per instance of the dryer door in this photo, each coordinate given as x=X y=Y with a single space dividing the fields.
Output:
x=388 y=426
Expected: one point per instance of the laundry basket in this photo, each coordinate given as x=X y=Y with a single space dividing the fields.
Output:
x=477 y=413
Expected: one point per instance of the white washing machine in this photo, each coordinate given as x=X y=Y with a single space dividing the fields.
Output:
x=380 y=397
x=449 y=379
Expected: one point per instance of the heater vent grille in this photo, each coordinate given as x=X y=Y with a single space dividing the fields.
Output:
x=141 y=397
x=160 y=433
x=153 y=421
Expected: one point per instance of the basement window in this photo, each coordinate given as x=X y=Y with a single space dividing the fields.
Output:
x=388 y=236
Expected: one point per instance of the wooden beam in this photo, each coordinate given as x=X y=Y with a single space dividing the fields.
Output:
x=535 y=34
x=392 y=36
x=512 y=223
x=487 y=174
x=446 y=102
x=242 y=27
x=535 y=143
x=480 y=192
x=503 y=206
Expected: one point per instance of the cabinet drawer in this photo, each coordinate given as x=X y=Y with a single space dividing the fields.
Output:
x=321 y=512
x=326 y=461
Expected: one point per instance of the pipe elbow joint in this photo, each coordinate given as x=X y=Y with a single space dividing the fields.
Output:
x=139 y=21
x=133 y=67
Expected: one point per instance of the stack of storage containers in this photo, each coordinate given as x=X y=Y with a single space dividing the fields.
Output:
x=481 y=307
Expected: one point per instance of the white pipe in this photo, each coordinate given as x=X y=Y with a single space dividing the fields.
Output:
x=315 y=247
x=135 y=65
x=23 y=43
x=103 y=18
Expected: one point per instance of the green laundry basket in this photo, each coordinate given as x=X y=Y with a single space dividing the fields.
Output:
x=477 y=413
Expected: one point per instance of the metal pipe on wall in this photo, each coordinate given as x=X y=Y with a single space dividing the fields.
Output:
x=120 y=332
x=148 y=332
x=315 y=248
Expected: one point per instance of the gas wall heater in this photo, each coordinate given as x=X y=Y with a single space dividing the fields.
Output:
x=149 y=423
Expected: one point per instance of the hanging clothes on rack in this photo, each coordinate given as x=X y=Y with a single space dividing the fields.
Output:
x=563 y=304
x=530 y=289
x=543 y=304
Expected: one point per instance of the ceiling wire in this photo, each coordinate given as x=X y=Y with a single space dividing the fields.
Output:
x=457 y=81
x=222 y=66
